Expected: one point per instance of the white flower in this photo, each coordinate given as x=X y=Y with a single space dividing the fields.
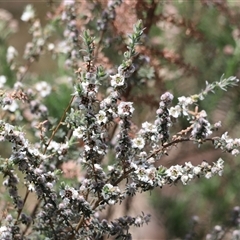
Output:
x=138 y=143
x=68 y=2
x=11 y=107
x=106 y=102
x=97 y=167
x=110 y=168
x=31 y=187
x=235 y=152
x=174 y=172
x=225 y=137
x=188 y=165
x=138 y=221
x=53 y=145
x=196 y=170
x=151 y=173
x=218 y=124
x=125 y=109
x=101 y=117
x=203 y=114
x=151 y=160
x=133 y=166
x=3 y=80
x=111 y=202
x=11 y=54
x=28 y=13
x=69 y=193
x=117 y=80
x=236 y=141
x=5 y=233
x=184 y=179
x=89 y=88
x=175 y=111
x=185 y=101
x=51 y=47
x=44 y=88
x=34 y=151
x=185 y=110
x=149 y=127
x=109 y=190
x=63 y=147
x=208 y=175
x=87 y=148
x=218 y=167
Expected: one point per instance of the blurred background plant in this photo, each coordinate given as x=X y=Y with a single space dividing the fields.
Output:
x=185 y=43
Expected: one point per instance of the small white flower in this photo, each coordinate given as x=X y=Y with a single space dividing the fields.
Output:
x=11 y=54
x=125 y=109
x=87 y=148
x=218 y=124
x=149 y=127
x=185 y=110
x=53 y=146
x=106 y=102
x=89 y=88
x=203 y=114
x=138 y=221
x=109 y=190
x=188 y=165
x=111 y=202
x=225 y=136
x=236 y=141
x=196 y=170
x=68 y=2
x=175 y=111
x=51 y=47
x=34 y=151
x=185 y=101
x=28 y=13
x=101 y=117
x=63 y=147
x=174 y=172
x=97 y=167
x=69 y=193
x=3 y=80
x=78 y=132
x=11 y=107
x=151 y=160
x=208 y=175
x=43 y=88
x=184 y=179
x=117 y=80
x=138 y=143
x=133 y=166
x=235 y=152
x=110 y=168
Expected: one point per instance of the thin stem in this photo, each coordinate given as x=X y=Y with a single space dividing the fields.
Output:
x=20 y=210
x=59 y=124
x=32 y=216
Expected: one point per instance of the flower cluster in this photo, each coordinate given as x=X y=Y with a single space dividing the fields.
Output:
x=182 y=107
x=228 y=144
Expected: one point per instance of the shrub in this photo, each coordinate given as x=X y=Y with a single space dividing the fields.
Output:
x=84 y=116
